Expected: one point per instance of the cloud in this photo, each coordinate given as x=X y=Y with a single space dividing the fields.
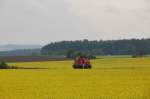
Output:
x=51 y=20
x=114 y=16
x=47 y=19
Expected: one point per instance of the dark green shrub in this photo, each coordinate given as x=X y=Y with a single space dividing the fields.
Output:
x=3 y=65
x=91 y=56
x=137 y=55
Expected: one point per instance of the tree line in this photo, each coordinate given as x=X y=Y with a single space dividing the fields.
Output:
x=108 y=47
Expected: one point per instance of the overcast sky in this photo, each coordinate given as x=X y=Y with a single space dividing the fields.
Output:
x=43 y=21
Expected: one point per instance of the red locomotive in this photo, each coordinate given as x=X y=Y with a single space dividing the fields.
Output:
x=82 y=62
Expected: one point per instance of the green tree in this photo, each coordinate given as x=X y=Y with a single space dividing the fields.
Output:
x=3 y=65
x=70 y=53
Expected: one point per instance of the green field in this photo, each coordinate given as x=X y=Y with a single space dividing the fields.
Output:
x=110 y=78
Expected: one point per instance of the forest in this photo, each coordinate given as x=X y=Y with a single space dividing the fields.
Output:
x=108 y=47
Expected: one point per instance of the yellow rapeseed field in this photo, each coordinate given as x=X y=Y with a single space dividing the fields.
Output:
x=110 y=78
